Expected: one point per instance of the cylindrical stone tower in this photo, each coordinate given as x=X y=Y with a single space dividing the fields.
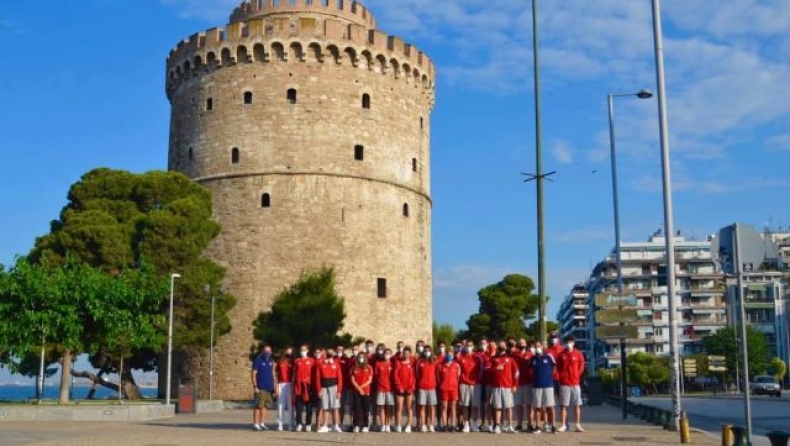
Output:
x=312 y=130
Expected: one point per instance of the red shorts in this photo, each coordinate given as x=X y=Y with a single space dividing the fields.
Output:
x=448 y=395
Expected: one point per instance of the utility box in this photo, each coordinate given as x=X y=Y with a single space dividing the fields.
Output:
x=187 y=398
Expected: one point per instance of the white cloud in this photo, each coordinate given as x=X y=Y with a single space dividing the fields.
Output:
x=468 y=276
x=562 y=152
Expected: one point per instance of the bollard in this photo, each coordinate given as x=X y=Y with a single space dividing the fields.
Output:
x=778 y=438
x=739 y=434
x=685 y=428
x=727 y=439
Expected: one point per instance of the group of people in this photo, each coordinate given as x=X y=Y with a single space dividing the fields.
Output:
x=460 y=388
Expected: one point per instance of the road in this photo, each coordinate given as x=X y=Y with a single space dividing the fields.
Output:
x=709 y=413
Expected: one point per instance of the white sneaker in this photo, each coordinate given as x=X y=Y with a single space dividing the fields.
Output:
x=408 y=429
x=579 y=428
x=562 y=429
x=356 y=429
x=387 y=428
x=279 y=427
x=256 y=427
x=338 y=428
x=323 y=430
x=474 y=427
x=497 y=430
x=298 y=428
x=397 y=428
x=484 y=428
x=263 y=427
x=308 y=428
x=466 y=427
x=365 y=430
x=431 y=428
x=424 y=428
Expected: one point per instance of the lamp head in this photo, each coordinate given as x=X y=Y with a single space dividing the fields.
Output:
x=175 y=276
x=644 y=94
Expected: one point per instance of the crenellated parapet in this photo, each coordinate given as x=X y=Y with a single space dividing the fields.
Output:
x=349 y=10
x=267 y=34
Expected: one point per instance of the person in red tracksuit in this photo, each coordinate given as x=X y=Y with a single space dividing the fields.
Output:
x=469 y=397
x=524 y=394
x=329 y=384
x=425 y=368
x=571 y=368
x=385 y=399
x=360 y=379
x=504 y=382
x=405 y=383
x=448 y=376
x=304 y=367
x=554 y=349
x=285 y=402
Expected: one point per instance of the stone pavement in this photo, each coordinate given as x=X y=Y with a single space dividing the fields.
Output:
x=603 y=425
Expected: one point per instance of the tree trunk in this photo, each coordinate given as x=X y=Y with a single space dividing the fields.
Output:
x=64 y=379
x=130 y=389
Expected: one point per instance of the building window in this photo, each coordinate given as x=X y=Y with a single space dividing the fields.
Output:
x=405 y=209
x=234 y=156
x=210 y=104
x=359 y=153
x=291 y=95
x=247 y=97
x=382 y=288
x=266 y=201
x=414 y=164
x=366 y=101
x=190 y=154
x=422 y=123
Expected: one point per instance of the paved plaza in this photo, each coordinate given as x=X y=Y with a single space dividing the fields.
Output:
x=603 y=425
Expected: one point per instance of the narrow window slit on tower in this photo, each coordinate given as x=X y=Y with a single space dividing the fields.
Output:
x=366 y=101
x=359 y=152
x=292 y=95
x=382 y=288
x=266 y=201
x=210 y=104
x=247 y=97
x=414 y=164
x=234 y=155
x=405 y=209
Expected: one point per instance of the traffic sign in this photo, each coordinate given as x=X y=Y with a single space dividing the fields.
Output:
x=617 y=332
x=717 y=363
x=616 y=316
x=613 y=300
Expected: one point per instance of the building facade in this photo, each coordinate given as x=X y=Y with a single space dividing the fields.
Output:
x=311 y=128
x=573 y=318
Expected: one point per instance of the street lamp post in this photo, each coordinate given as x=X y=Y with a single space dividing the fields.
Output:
x=666 y=180
x=643 y=94
x=173 y=278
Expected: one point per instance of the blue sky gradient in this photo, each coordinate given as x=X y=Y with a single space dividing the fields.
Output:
x=83 y=87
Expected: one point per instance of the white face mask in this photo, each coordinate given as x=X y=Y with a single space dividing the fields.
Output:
x=570 y=345
x=427 y=354
x=554 y=341
x=420 y=348
x=387 y=357
x=539 y=351
x=483 y=346
x=469 y=349
x=303 y=353
x=532 y=350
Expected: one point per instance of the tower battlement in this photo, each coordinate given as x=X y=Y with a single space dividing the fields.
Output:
x=350 y=10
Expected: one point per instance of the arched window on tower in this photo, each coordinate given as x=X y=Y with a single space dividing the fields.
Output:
x=266 y=201
x=291 y=95
x=247 y=97
x=234 y=155
x=405 y=209
x=366 y=101
x=359 y=152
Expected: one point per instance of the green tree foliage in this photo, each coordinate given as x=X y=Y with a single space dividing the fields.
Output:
x=308 y=312
x=115 y=219
x=647 y=370
x=444 y=332
x=778 y=368
x=504 y=308
x=533 y=331
x=722 y=343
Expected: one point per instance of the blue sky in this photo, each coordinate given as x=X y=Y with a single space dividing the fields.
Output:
x=82 y=83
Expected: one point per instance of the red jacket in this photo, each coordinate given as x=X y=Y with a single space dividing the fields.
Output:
x=504 y=372
x=555 y=351
x=426 y=375
x=449 y=375
x=303 y=377
x=284 y=369
x=382 y=373
x=360 y=376
x=485 y=378
x=327 y=370
x=404 y=377
x=525 y=369
x=471 y=368
x=570 y=367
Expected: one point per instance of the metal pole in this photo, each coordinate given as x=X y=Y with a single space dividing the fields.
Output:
x=668 y=220
x=40 y=381
x=618 y=253
x=170 y=340
x=211 y=354
x=747 y=403
x=539 y=176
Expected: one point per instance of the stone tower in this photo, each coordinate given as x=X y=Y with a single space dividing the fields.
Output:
x=312 y=130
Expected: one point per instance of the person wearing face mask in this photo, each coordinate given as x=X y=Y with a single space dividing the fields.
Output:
x=554 y=349
x=370 y=350
x=419 y=347
x=264 y=385
x=329 y=385
x=284 y=370
x=543 y=365
x=405 y=384
x=441 y=350
x=398 y=351
x=361 y=377
x=469 y=396
x=504 y=382
x=346 y=363
x=304 y=369
x=425 y=370
x=523 y=400
x=448 y=380
x=385 y=399
x=571 y=367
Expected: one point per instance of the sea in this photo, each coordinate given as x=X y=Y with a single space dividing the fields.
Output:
x=24 y=392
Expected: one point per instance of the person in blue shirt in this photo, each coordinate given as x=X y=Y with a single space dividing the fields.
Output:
x=264 y=385
x=543 y=365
